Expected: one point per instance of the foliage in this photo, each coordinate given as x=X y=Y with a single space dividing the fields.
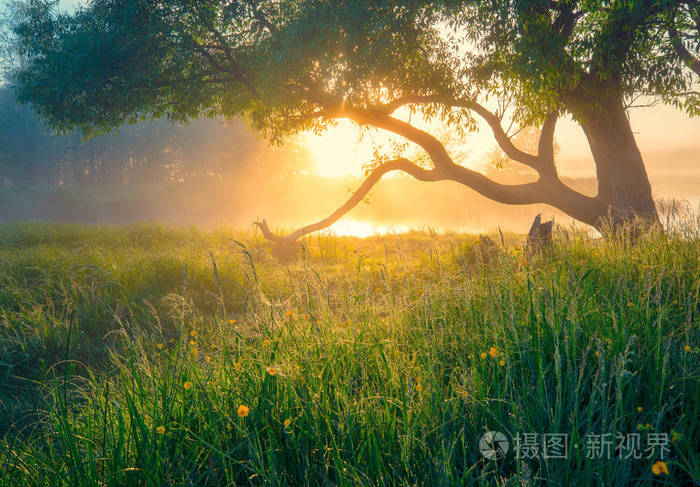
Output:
x=280 y=64
x=368 y=362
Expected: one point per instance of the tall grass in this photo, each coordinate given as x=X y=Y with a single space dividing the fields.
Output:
x=127 y=352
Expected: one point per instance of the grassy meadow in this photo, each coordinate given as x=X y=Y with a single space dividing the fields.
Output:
x=172 y=356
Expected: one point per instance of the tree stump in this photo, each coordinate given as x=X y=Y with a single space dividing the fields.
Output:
x=540 y=235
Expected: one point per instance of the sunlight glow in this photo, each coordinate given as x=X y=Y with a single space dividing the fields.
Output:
x=342 y=150
x=363 y=229
x=339 y=151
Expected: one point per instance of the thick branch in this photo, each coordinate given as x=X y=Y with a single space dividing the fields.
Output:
x=549 y=190
x=545 y=146
x=430 y=144
x=491 y=118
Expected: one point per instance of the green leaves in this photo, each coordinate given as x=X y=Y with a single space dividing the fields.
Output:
x=277 y=64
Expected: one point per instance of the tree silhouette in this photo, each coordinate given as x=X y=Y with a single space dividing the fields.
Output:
x=286 y=66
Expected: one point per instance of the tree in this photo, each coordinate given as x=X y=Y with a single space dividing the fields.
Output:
x=290 y=65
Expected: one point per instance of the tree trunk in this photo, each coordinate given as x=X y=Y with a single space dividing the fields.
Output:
x=624 y=191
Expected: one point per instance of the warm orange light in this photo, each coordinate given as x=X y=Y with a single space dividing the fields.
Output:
x=356 y=228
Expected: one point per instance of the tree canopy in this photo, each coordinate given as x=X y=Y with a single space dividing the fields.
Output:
x=278 y=62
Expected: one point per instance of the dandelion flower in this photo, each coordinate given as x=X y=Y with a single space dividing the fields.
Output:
x=187 y=385
x=272 y=370
x=243 y=411
x=640 y=409
x=160 y=430
x=159 y=346
x=287 y=423
x=195 y=351
x=289 y=314
x=524 y=263
x=346 y=323
x=307 y=317
x=192 y=343
x=207 y=359
x=659 y=468
x=483 y=354
x=193 y=333
x=237 y=365
x=231 y=322
x=419 y=387
x=687 y=348
x=267 y=342
x=597 y=353
x=493 y=351
x=630 y=304
x=501 y=363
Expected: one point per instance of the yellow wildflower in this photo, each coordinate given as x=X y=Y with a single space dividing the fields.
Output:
x=193 y=333
x=640 y=409
x=243 y=411
x=379 y=289
x=687 y=348
x=483 y=354
x=493 y=351
x=195 y=351
x=272 y=370
x=630 y=304
x=159 y=346
x=597 y=353
x=501 y=363
x=207 y=359
x=524 y=263
x=287 y=423
x=192 y=343
x=231 y=322
x=187 y=385
x=160 y=430
x=659 y=468
x=419 y=387
x=267 y=342
x=289 y=314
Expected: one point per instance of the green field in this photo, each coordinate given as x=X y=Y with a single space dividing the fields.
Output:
x=126 y=353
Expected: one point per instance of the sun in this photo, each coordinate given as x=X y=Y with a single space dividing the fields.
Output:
x=340 y=151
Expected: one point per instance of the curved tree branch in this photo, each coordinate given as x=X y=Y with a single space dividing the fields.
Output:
x=548 y=190
x=491 y=118
x=400 y=164
x=429 y=143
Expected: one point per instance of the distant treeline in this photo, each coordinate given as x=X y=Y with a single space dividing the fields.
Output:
x=146 y=152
